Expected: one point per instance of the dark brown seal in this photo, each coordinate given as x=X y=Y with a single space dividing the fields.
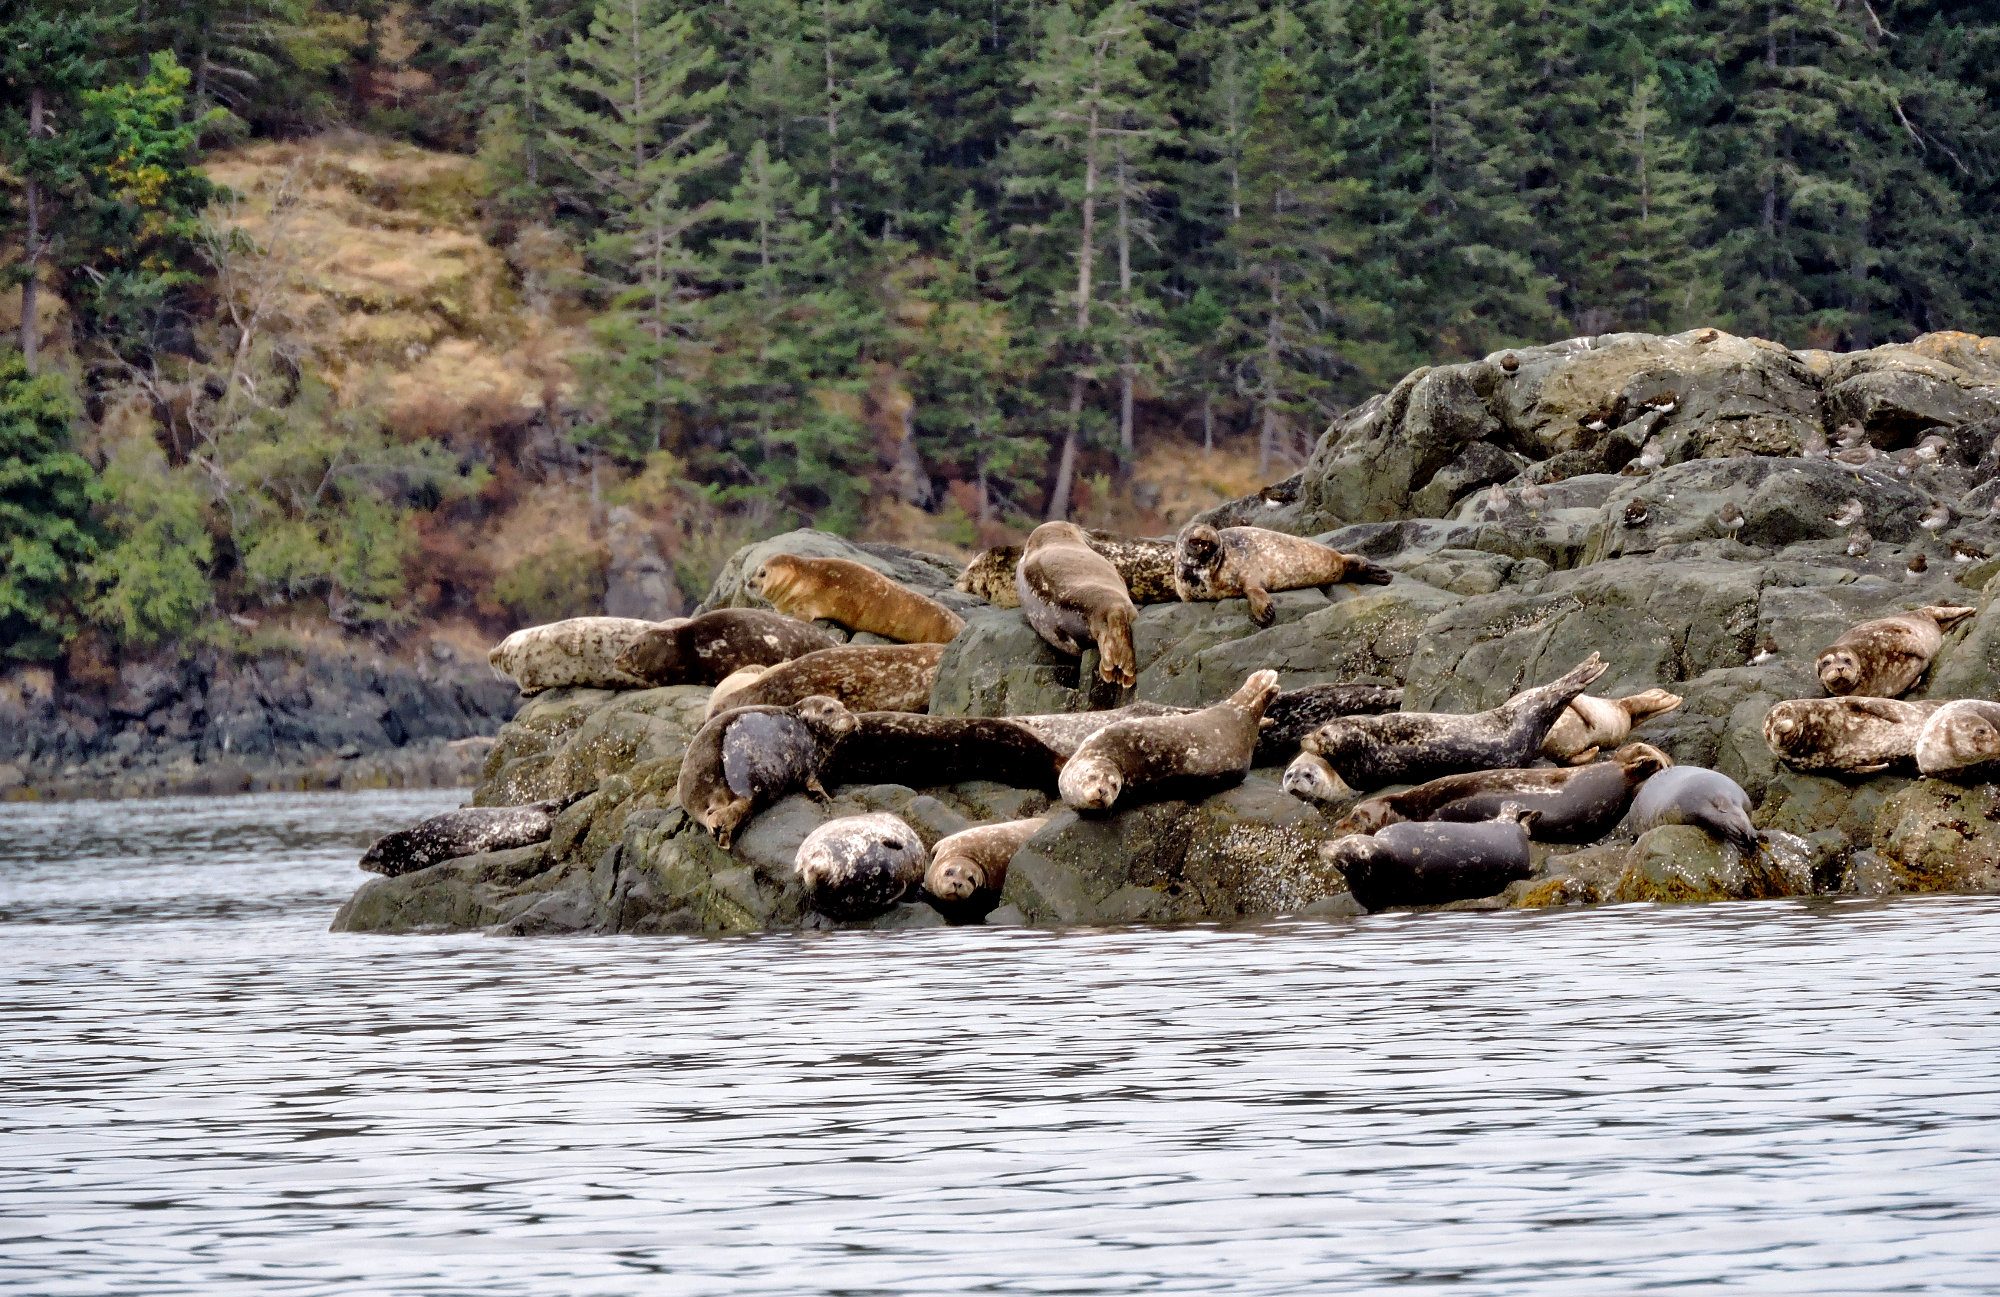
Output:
x=704 y=649
x=463 y=833
x=968 y=869
x=1405 y=747
x=1590 y=723
x=1251 y=562
x=1959 y=737
x=1154 y=755
x=1575 y=803
x=856 y=596
x=749 y=757
x=1434 y=864
x=866 y=677
x=1857 y=735
x=1145 y=564
x=1884 y=657
x=925 y=751
x=1071 y=593
x=1296 y=713
x=859 y=866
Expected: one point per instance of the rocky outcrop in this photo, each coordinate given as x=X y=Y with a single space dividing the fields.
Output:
x=1495 y=590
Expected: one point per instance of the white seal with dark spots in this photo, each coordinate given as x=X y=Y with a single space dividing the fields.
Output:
x=463 y=833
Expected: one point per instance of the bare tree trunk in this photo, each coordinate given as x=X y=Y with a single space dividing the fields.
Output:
x=1066 y=465
x=1126 y=368
x=32 y=253
x=1086 y=256
x=1208 y=423
x=1267 y=437
x=832 y=122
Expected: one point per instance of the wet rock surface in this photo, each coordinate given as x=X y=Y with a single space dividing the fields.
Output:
x=1505 y=504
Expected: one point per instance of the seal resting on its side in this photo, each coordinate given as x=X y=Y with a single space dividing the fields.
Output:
x=748 y=757
x=866 y=677
x=463 y=833
x=1295 y=713
x=1434 y=864
x=856 y=596
x=1251 y=562
x=1071 y=593
x=859 y=866
x=1145 y=565
x=1066 y=731
x=1884 y=657
x=1857 y=735
x=1154 y=754
x=1707 y=799
x=1572 y=803
x=1959 y=736
x=1590 y=723
x=969 y=868
x=581 y=651
x=707 y=649
x=924 y=751
x=1404 y=747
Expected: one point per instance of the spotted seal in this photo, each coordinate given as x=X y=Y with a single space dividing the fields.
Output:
x=1707 y=799
x=1856 y=735
x=1404 y=747
x=1573 y=803
x=464 y=832
x=866 y=677
x=731 y=685
x=707 y=649
x=748 y=757
x=1960 y=737
x=1071 y=593
x=1885 y=657
x=1251 y=562
x=1146 y=565
x=1434 y=864
x=582 y=652
x=1590 y=723
x=968 y=869
x=1154 y=755
x=860 y=866
x=1310 y=779
x=1295 y=713
x=854 y=595
x=924 y=751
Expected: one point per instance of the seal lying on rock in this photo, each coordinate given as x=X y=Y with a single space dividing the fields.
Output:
x=1071 y=593
x=1857 y=735
x=1066 y=731
x=1251 y=562
x=1434 y=864
x=866 y=677
x=856 y=596
x=463 y=833
x=706 y=649
x=859 y=866
x=1159 y=754
x=968 y=869
x=1404 y=747
x=1707 y=799
x=1959 y=737
x=1572 y=803
x=925 y=751
x=1884 y=657
x=1310 y=779
x=748 y=757
x=1296 y=713
x=1590 y=723
x=582 y=651
x=1145 y=565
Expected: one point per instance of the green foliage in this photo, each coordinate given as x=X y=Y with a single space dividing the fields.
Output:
x=563 y=578
x=152 y=582
x=46 y=492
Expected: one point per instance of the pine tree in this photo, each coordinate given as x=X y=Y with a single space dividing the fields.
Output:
x=856 y=158
x=46 y=492
x=1653 y=270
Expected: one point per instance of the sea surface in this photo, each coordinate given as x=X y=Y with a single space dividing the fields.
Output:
x=204 y=1092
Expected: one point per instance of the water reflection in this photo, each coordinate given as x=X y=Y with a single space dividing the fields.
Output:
x=210 y=1094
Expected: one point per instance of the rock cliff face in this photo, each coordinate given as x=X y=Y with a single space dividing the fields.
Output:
x=1495 y=590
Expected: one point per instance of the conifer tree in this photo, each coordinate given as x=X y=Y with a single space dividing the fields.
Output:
x=1654 y=270
x=46 y=494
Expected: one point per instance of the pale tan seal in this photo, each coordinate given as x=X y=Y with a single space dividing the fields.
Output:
x=1310 y=778
x=1590 y=723
x=1856 y=735
x=859 y=866
x=749 y=757
x=1885 y=657
x=968 y=869
x=1145 y=564
x=1196 y=752
x=854 y=595
x=1575 y=803
x=1071 y=593
x=1959 y=737
x=580 y=652
x=866 y=677
x=710 y=648
x=1251 y=562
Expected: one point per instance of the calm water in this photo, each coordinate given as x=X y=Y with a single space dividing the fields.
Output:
x=206 y=1093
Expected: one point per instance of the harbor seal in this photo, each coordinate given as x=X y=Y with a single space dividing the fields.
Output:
x=1707 y=799
x=924 y=751
x=1573 y=803
x=1856 y=735
x=1251 y=562
x=1885 y=657
x=749 y=757
x=731 y=685
x=856 y=596
x=968 y=869
x=707 y=649
x=1160 y=754
x=1066 y=731
x=1310 y=779
x=1145 y=564
x=866 y=677
x=1071 y=593
x=1295 y=713
x=1406 y=747
x=1958 y=737
x=859 y=866
x=1433 y=864
x=463 y=833
x=581 y=651
x=1590 y=723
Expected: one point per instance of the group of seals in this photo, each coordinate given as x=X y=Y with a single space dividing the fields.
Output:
x=1572 y=803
